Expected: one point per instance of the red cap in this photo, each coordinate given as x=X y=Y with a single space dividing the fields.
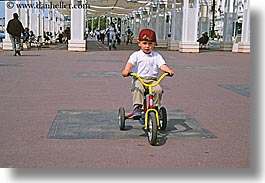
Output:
x=147 y=35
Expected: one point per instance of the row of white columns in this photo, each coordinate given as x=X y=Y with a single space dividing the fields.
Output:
x=34 y=19
x=184 y=26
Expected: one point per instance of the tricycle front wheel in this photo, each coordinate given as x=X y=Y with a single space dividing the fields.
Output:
x=152 y=128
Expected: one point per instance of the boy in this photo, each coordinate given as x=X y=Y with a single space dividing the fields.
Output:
x=146 y=63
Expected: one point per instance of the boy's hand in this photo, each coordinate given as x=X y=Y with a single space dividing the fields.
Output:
x=125 y=73
x=171 y=72
x=165 y=68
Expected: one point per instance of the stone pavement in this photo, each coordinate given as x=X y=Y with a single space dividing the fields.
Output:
x=59 y=109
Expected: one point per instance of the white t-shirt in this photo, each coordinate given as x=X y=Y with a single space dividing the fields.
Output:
x=111 y=29
x=146 y=65
x=112 y=32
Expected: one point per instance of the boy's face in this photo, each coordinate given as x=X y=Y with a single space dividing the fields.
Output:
x=146 y=46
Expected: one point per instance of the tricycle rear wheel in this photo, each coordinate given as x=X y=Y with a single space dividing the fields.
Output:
x=121 y=118
x=163 y=118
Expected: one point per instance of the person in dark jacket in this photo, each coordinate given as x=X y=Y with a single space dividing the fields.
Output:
x=15 y=29
x=204 y=39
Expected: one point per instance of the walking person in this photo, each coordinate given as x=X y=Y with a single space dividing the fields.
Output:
x=111 y=32
x=129 y=35
x=15 y=29
x=60 y=35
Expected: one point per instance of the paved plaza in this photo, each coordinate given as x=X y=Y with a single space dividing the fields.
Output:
x=59 y=109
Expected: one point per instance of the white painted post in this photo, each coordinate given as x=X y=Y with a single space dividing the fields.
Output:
x=77 y=42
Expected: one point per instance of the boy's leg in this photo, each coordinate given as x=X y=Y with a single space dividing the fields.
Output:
x=157 y=90
x=137 y=92
x=138 y=98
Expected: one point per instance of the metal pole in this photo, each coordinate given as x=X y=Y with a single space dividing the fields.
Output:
x=213 y=10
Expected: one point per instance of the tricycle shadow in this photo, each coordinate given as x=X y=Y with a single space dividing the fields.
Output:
x=175 y=129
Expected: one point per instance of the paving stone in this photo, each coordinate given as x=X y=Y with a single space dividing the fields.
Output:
x=103 y=124
x=101 y=74
x=242 y=89
x=200 y=67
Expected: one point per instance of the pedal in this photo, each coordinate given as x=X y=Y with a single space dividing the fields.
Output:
x=136 y=117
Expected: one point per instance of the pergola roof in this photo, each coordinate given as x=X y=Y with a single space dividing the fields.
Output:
x=115 y=8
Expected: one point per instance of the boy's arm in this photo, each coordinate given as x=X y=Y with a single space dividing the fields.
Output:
x=165 y=68
x=127 y=69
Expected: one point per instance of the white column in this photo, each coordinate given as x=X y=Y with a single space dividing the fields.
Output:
x=92 y=24
x=49 y=27
x=157 y=25
x=77 y=42
x=173 y=43
x=23 y=16
x=150 y=16
x=188 y=41
x=42 y=20
x=53 y=24
x=226 y=44
x=99 y=22
x=38 y=23
x=144 y=19
x=62 y=20
x=28 y=13
x=244 y=45
x=137 y=19
x=160 y=25
x=165 y=23
x=152 y=24
x=31 y=18
x=141 y=21
x=134 y=26
x=204 y=20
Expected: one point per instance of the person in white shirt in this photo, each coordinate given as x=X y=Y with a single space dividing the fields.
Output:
x=111 y=31
x=146 y=63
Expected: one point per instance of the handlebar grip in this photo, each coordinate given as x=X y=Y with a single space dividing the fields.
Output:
x=168 y=74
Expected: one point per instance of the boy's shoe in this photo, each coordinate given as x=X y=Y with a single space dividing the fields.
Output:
x=137 y=113
x=141 y=121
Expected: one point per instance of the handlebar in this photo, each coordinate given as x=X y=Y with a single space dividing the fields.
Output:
x=152 y=84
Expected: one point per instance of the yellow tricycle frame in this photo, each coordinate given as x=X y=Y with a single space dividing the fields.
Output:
x=149 y=86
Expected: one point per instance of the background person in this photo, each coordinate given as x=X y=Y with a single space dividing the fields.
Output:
x=129 y=35
x=111 y=33
x=204 y=39
x=15 y=29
